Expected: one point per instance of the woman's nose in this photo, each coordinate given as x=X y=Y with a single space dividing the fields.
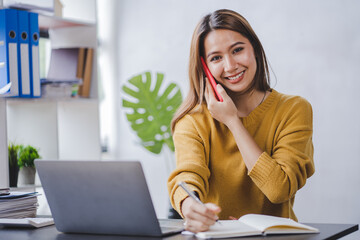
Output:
x=230 y=64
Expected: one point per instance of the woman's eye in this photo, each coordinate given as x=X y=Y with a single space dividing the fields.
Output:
x=236 y=50
x=216 y=58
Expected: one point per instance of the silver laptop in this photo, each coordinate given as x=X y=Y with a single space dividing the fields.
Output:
x=101 y=197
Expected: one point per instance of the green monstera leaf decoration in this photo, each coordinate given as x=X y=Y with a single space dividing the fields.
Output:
x=152 y=110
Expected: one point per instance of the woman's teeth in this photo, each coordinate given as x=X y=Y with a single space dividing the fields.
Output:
x=237 y=76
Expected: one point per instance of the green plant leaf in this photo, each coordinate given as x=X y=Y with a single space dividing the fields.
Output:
x=13 y=151
x=27 y=155
x=152 y=110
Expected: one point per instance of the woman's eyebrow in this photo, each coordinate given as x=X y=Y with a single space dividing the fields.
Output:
x=212 y=53
x=231 y=46
x=236 y=43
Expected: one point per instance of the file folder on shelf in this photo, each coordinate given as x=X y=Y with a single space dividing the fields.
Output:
x=23 y=54
x=9 y=52
x=34 y=55
x=64 y=64
x=65 y=73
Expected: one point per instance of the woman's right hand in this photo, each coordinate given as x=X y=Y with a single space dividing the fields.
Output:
x=225 y=111
x=198 y=218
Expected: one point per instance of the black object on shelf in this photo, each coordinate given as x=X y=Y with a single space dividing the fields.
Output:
x=13 y=175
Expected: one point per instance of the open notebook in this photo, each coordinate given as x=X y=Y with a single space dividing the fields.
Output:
x=255 y=224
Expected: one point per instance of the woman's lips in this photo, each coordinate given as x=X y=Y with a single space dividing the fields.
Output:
x=236 y=78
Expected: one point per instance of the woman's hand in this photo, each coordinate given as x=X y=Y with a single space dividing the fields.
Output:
x=225 y=111
x=198 y=218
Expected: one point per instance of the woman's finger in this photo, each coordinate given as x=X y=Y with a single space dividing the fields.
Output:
x=206 y=92
x=220 y=89
x=196 y=226
x=203 y=217
x=213 y=210
x=197 y=223
x=209 y=90
x=204 y=213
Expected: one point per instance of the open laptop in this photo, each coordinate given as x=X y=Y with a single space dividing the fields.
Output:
x=101 y=197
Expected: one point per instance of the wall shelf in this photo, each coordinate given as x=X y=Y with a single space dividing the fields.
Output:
x=48 y=99
x=61 y=128
x=53 y=22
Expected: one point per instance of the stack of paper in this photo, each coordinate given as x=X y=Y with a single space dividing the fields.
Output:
x=36 y=6
x=69 y=73
x=18 y=205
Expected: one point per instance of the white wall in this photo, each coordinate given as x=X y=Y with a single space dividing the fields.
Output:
x=4 y=178
x=313 y=48
x=81 y=10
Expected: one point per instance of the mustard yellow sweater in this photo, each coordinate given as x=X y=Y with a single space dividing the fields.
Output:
x=209 y=161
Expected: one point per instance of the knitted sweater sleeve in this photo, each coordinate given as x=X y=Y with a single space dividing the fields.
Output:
x=191 y=157
x=284 y=169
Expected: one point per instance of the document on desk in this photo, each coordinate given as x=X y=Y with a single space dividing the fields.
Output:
x=26 y=222
x=18 y=205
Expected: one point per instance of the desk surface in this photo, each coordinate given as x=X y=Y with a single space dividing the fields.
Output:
x=327 y=231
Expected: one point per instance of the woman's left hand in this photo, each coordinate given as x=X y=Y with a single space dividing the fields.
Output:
x=225 y=111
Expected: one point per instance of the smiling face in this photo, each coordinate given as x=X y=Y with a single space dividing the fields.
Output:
x=230 y=58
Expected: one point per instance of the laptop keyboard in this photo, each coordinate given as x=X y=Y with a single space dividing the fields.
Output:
x=171 y=225
x=169 y=229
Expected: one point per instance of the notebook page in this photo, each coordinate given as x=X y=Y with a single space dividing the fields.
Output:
x=264 y=222
x=229 y=228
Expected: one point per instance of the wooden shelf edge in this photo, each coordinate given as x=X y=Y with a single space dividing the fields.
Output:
x=53 y=22
x=51 y=100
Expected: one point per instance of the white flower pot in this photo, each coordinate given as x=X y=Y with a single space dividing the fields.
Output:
x=26 y=176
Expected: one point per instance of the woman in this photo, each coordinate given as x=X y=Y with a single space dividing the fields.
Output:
x=249 y=153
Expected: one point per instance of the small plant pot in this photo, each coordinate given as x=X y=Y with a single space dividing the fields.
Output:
x=27 y=176
x=13 y=175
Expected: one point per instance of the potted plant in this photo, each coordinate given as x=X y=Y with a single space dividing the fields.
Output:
x=13 y=151
x=151 y=115
x=26 y=158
